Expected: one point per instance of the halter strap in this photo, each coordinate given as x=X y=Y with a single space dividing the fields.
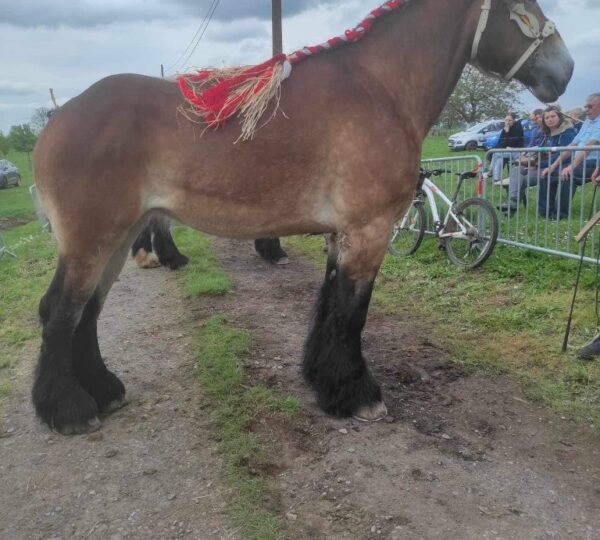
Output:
x=528 y=24
x=481 y=26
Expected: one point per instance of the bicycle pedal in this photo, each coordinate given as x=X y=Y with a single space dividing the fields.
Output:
x=442 y=247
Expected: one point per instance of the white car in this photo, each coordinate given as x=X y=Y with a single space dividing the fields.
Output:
x=473 y=137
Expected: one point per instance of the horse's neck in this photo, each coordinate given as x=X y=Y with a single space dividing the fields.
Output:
x=418 y=54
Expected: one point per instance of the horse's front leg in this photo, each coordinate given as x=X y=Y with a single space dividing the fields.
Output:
x=333 y=361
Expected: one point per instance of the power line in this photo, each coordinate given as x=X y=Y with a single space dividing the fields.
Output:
x=198 y=34
x=203 y=31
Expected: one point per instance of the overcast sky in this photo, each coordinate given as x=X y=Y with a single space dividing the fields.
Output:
x=69 y=44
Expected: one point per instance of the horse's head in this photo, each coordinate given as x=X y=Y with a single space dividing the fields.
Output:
x=515 y=40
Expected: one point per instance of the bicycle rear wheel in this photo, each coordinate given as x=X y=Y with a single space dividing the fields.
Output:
x=409 y=231
x=478 y=220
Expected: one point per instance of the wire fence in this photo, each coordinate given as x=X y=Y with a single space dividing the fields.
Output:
x=536 y=211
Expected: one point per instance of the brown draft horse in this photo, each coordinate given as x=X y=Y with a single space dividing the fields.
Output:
x=344 y=160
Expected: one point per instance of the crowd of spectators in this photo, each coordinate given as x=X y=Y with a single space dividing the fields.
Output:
x=558 y=174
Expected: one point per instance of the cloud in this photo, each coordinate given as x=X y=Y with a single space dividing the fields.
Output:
x=77 y=13
x=15 y=88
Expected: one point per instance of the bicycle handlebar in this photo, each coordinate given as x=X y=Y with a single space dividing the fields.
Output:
x=468 y=174
x=424 y=173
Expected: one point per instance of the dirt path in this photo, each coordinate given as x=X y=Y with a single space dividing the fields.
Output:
x=152 y=471
x=459 y=457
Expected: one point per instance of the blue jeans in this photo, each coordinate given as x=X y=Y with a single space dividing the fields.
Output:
x=499 y=160
x=555 y=195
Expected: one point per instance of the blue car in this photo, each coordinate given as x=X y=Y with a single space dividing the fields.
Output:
x=490 y=140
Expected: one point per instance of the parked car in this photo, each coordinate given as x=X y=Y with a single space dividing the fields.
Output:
x=472 y=137
x=9 y=174
x=490 y=139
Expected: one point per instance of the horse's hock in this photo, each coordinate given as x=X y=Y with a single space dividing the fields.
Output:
x=343 y=159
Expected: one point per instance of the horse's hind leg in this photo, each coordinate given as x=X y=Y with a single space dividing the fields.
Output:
x=164 y=245
x=270 y=250
x=88 y=366
x=142 y=251
x=59 y=399
x=333 y=360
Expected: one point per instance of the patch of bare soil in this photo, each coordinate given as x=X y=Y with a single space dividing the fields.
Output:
x=153 y=470
x=7 y=223
x=459 y=456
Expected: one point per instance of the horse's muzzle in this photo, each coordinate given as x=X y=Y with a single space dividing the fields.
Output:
x=551 y=72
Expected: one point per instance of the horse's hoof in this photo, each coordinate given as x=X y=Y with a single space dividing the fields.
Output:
x=145 y=259
x=81 y=428
x=115 y=405
x=176 y=261
x=283 y=261
x=371 y=413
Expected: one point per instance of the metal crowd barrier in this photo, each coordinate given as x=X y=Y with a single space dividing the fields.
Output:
x=39 y=212
x=532 y=224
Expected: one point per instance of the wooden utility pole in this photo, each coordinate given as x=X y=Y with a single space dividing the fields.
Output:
x=270 y=248
x=277 y=32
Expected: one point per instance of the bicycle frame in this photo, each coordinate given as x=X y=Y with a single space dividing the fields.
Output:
x=430 y=190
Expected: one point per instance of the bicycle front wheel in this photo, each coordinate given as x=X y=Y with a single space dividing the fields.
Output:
x=475 y=232
x=409 y=231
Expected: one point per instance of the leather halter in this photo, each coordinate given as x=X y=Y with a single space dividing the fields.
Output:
x=529 y=25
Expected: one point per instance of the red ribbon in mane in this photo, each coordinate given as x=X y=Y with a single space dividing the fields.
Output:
x=212 y=103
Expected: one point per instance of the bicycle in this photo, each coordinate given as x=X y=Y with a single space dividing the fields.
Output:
x=468 y=233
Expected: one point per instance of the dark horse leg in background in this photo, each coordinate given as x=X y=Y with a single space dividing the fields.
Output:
x=155 y=246
x=270 y=250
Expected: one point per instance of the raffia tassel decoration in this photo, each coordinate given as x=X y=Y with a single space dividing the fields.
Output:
x=215 y=95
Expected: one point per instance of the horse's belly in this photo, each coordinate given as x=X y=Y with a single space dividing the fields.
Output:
x=235 y=219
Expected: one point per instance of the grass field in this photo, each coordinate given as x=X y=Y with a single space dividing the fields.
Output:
x=15 y=202
x=22 y=282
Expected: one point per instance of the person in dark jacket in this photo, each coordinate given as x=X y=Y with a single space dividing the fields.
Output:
x=511 y=136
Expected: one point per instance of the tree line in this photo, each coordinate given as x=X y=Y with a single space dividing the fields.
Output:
x=22 y=137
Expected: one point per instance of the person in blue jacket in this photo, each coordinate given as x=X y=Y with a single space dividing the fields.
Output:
x=583 y=164
x=558 y=131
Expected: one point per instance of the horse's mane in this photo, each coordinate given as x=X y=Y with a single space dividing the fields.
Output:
x=216 y=94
